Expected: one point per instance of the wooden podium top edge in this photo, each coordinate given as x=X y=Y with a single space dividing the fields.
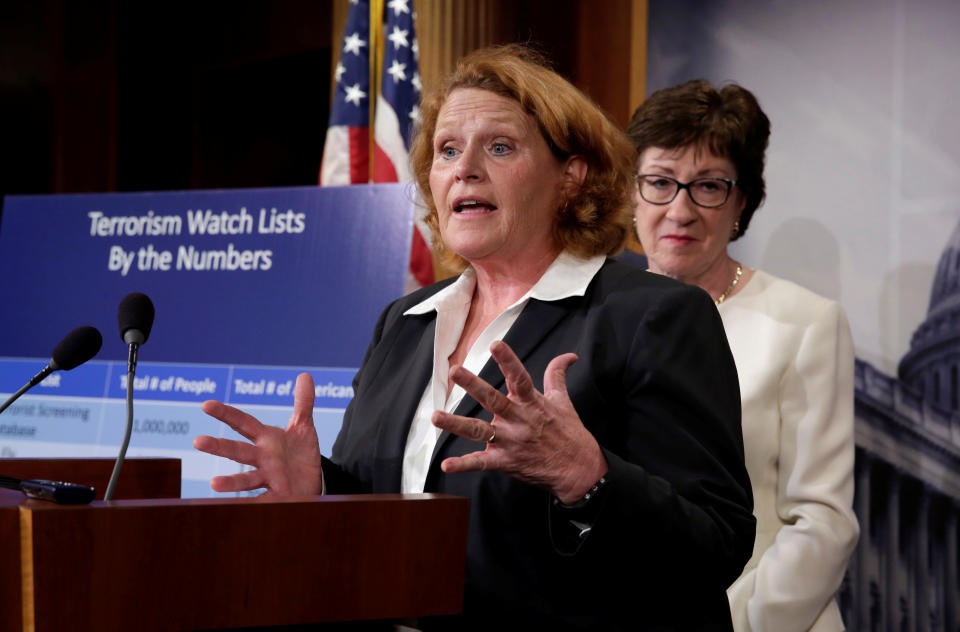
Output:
x=110 y=459
x=40 y=505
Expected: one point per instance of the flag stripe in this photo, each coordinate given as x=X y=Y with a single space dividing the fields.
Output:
x=383 y=170
x=359 y=163
x=390 y=145
x=421 y=262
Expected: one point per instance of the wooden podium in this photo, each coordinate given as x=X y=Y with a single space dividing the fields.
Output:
x=190 y=564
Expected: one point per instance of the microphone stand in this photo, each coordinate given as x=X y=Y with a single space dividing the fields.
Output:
x=131 y=370
x=36 y=379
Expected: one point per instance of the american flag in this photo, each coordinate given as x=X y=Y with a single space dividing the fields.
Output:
x=397 y=103
x=346 y=151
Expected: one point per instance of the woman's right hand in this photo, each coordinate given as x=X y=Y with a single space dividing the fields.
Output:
x=286 y=461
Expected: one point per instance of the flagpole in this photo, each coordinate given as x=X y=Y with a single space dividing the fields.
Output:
x=376 y=69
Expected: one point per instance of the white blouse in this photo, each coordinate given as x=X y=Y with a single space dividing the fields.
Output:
x=794 y=356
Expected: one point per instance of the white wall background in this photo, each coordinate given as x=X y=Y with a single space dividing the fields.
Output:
x=863 y=172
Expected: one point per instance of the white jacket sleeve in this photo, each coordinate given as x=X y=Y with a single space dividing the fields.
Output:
x=792 y=583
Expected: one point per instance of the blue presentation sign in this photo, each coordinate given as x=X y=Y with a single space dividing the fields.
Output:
x=251 y=287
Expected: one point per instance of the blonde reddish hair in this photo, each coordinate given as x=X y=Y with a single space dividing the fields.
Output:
x=595 y=218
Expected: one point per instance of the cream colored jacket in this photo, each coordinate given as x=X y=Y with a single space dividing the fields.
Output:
x=794 y=355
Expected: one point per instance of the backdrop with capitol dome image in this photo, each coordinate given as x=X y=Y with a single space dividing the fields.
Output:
x=863 y=206
x=251 y=287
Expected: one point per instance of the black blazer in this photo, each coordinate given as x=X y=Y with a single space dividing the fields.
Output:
x=657 y=386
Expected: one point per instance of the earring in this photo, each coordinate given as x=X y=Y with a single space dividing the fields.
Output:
x=735 y=231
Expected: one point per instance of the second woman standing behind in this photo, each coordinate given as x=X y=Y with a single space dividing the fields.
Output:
x=699 y=181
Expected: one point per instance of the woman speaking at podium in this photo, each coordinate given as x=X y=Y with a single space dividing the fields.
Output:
x=589 y=411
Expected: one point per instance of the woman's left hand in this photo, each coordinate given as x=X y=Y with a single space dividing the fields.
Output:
x=539 y=436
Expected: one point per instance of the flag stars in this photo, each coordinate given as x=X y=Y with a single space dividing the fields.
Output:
x=398 y=37
x=399 y=6
x=354 y=94
x=342 y=69
x=397 y=71
x=416 y=82
x=352 y=44
x=416 y=49
x=415 y=112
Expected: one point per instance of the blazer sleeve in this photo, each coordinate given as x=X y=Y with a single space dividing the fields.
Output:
x=336 y=479
x=678 y=504
x=793 y=585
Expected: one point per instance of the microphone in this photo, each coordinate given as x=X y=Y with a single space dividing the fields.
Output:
x=77 y=347
x=135 y=317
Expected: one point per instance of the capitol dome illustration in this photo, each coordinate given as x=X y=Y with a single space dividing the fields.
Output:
x=932 y=364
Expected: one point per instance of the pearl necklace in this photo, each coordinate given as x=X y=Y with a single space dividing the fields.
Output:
x=733 y=284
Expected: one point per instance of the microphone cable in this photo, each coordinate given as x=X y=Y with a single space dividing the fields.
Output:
x=135 y=316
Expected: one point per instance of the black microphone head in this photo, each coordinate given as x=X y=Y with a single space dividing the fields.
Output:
x=135 y=316
x=77 y=347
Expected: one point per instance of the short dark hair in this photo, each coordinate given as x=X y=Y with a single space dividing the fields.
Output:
x=595 y=219
x=729 y=122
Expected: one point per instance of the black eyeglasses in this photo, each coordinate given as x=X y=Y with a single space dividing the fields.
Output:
x=705 y=192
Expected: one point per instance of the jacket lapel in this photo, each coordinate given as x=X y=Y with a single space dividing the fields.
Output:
x=392 y=435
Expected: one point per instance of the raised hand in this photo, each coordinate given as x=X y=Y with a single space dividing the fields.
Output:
x=286 y=461
x=538 y=438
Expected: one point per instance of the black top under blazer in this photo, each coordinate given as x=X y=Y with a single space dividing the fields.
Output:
x=656 y=385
